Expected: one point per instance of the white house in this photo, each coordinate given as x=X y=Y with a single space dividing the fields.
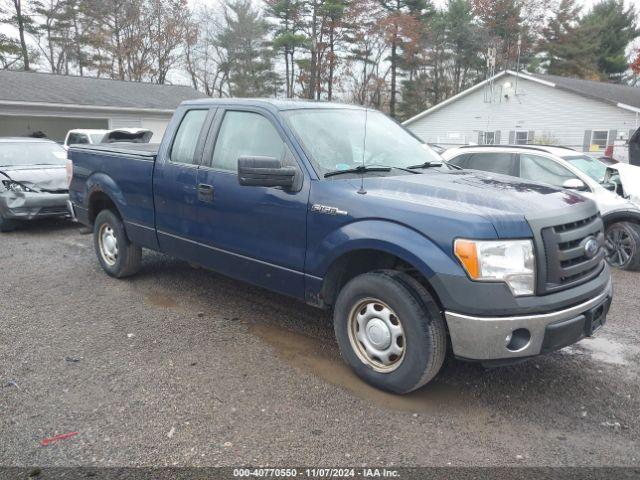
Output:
x=54 y=104
x=520 y=108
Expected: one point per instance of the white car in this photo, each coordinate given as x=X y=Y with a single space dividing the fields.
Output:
x=92 y=136
x=566 y=168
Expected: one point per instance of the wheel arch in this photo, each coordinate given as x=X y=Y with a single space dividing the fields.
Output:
x=372 y=245
x=620 y=216
x=364 y=260
x=103 y=193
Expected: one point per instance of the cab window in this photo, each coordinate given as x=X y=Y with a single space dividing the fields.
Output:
x=245 y=134
x=186 y=139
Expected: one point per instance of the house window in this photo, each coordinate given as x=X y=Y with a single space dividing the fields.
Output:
x=600 y=138
x=522 y=138
x=487 y=138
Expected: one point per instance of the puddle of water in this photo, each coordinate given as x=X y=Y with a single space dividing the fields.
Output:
x=303 y=353
x=160 y=299
x=608 y=351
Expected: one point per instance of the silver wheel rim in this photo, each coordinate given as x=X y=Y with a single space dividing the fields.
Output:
x=376 y=335
x=619 y=246
x=108 y=244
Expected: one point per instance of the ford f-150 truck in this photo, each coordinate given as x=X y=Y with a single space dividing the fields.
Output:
x=341 y=207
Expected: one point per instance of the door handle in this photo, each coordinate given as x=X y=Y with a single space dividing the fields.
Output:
x=205 y=192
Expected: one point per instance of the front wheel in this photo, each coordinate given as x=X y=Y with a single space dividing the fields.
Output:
x=390 y=330
x=622 y=245
x=117 y=255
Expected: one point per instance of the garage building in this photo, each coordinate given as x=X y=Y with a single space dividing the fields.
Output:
x=54 y=104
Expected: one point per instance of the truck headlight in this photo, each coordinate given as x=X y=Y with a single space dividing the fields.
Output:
x=508 y=261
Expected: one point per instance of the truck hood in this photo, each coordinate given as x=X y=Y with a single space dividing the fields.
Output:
x=42 y=178
x=503 y=200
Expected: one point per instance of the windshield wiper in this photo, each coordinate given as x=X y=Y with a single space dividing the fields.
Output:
x=426 y=165
x=358 y=169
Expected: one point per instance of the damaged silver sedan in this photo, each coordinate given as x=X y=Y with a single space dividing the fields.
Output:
x=33 y=181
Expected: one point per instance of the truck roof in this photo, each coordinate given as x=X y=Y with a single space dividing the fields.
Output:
x=272 y=103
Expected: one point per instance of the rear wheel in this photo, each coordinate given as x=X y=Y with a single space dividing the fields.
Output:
x=117 y=255
x=390 y=330
x=622 y=245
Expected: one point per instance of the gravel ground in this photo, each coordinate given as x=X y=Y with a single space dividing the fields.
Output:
x=181 y=366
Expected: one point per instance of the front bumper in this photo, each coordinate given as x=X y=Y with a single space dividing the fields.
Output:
x=486 y=338
x=30 y=205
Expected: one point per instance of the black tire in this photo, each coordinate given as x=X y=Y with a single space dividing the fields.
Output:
x=126 y=262
x=7 y=225
x=425 y=339
x=622 y=244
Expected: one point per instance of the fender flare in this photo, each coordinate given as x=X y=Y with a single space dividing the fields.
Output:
x=102 y=183
x=386 y=236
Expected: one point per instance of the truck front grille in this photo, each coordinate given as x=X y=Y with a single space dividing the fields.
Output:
x=567 y=261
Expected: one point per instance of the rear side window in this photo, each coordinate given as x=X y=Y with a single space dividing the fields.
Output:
x=77 y=139
x=245 y=134
x=494 y=162
x=460 y=160
x=185 y=142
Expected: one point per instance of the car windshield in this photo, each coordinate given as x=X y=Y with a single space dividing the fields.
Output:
x=589 y=165
x=96 y=137
x=15 y=154
x=344 y=139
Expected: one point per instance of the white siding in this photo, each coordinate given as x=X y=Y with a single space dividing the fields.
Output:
x=128 y=121
x=550 y=112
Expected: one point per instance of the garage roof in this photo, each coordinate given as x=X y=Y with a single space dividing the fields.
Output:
x=65 y=90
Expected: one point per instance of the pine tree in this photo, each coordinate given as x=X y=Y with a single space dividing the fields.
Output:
x=249 y=57
x=400 y=20
x=612 y=27
x=565 y=47
x=288 y=37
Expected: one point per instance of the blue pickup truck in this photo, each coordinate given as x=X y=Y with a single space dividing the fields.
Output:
x=341 y=207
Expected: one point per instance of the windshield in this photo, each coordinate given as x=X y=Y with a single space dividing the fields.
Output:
x=589 y=165
x=96 y=137
x=15 y=154
x=336 y=139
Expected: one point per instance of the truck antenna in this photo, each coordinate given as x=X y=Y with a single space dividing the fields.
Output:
x=362 y=191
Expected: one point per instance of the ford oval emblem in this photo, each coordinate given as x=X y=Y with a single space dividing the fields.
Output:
x=591 y=247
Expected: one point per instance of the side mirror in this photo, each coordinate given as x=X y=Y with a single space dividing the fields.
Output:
x=610 y=186
x=574 y=184
x=265 y=172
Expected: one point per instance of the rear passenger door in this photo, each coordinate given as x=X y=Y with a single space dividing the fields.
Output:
x=175 y=182
x=256 y=234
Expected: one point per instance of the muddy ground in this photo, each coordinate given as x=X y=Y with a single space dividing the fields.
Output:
x=179 y=366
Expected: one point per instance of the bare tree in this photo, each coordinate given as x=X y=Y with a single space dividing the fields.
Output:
x=205 y=60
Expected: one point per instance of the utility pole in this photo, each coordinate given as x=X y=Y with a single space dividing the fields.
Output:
x=518 y=63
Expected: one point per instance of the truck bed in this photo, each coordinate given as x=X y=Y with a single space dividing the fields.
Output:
x=148 y=150
x=124 y=172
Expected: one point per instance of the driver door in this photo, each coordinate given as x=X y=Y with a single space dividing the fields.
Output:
x=254 y=233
